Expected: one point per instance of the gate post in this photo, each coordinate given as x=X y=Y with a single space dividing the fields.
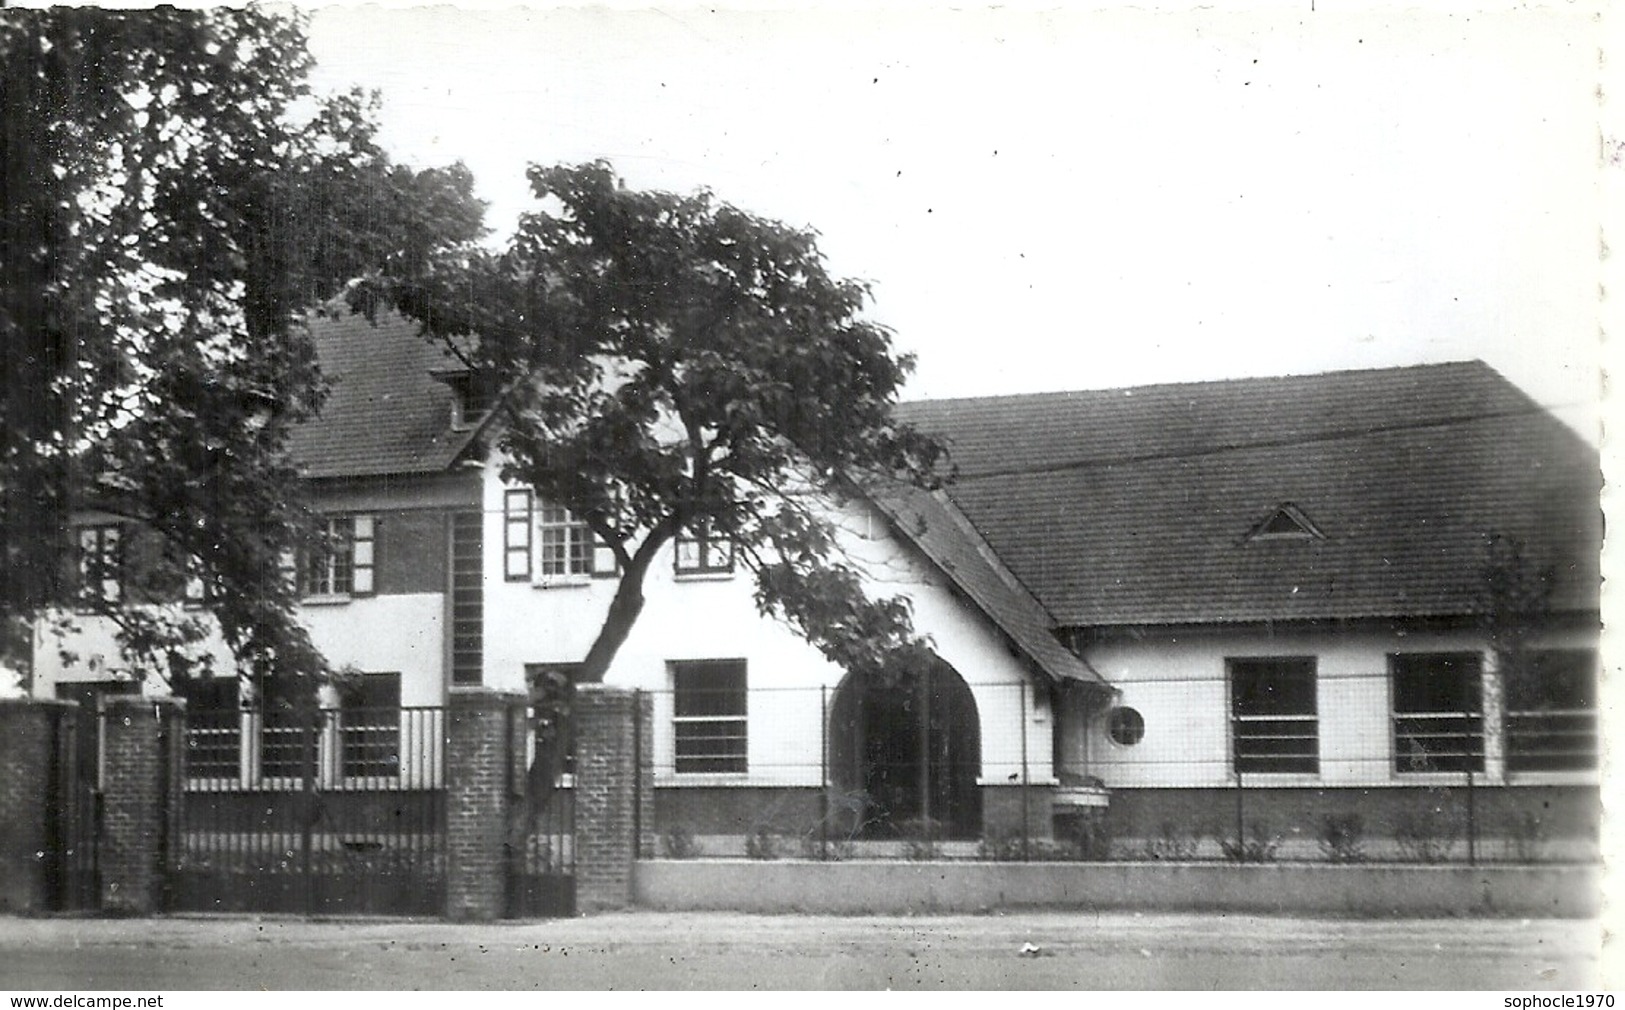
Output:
x=478 y=787
x=609 y=780
x=142 y=743
x=33 y=793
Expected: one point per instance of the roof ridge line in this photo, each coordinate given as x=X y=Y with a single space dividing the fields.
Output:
x=1189 y=383
x=1276 y=443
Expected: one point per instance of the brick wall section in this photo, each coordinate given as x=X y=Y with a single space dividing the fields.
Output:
x=411 y=552
x=484 y=729
x=28 y=746
x=142 y=743
x=607 y=785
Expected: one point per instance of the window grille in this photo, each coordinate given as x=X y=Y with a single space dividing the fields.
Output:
x=1273 y=722
x=370 y=726
x=1552 y=711
x=710 y=717
x=1438 y=715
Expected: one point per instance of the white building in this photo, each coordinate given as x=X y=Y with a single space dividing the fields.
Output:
x=1235 y=605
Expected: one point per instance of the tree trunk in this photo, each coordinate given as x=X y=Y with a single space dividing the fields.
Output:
x=623 y=613
x=543 y=777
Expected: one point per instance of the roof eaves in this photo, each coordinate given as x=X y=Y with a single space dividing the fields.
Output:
x=1051 y=658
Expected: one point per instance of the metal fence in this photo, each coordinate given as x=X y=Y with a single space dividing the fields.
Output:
x=1174 y=768
x=336 y=810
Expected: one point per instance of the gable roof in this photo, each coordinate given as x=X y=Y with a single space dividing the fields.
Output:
x=931 y=522
x=385 y=414
x=1132 y=506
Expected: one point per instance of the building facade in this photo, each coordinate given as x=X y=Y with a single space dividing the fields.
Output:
x=1195 y=611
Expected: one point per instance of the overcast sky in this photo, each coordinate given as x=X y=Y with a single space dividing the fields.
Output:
x=1074 y=200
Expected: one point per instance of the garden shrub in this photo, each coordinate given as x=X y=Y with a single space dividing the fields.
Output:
x=1342 y=838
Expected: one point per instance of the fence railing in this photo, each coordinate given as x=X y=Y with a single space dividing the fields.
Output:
x=904 y=769
x=336 y=748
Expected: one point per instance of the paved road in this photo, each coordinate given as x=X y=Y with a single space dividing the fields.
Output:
x=729 y=951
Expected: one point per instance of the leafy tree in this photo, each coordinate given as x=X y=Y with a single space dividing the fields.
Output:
x=672 y=363
x=176 y=201
x=1514 y=603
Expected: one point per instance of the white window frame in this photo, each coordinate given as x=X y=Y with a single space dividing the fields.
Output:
x=1274 y=725
x=1402 y=763
x=195 y=590
x=535 y=531
x=564 y=544
x=696 y=553
x=738 y=765
x=346 y=565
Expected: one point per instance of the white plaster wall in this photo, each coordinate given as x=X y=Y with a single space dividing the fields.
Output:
x=78 y=648
x=1178 y=683
x=387 y=634
x=706 y=617
x=378 y=634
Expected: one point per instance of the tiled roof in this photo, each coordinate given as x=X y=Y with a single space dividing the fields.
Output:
x=1132 y=507
x=384 y=413
x=936 y=527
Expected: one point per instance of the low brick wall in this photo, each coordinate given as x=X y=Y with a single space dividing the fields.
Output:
x=899 y=888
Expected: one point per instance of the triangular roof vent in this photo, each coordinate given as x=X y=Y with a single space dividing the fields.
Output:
x=1286 y=522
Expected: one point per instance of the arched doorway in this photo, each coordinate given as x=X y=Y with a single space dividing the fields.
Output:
x=905 y=754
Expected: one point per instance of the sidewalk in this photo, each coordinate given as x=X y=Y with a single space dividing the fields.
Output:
x=732 y=951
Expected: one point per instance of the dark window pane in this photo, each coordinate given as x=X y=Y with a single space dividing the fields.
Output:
x=1552 y=717
x=213 y=727
x=1437 y=682
x=1272 y=686
x=711 y=688
x=370 y=725
x=1126 y=725
x=1554 y=679
x=1438 y=725
x=1274 y=726
x=709 y=709
x=287 y=707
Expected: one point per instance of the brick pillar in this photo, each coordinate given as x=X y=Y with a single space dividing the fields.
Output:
x=607 y=786
x=484 y=730
x=143 y=740
x=31 y=794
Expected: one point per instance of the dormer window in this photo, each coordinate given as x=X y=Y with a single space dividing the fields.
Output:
x=1285 y=522
x=472 y=397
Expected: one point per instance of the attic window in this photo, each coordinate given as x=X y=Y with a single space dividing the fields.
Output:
x=472 y=397
x=1286 y=522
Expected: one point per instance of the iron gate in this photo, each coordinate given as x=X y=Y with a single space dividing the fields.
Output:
x=73 y=819
x=541 y=869
x=337 y=811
